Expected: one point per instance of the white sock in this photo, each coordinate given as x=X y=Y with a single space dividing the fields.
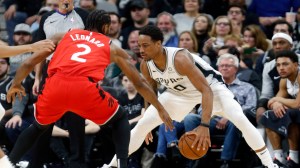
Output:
x=278 y=154
x=294 y=155
x=4 y=162
x=265 y=157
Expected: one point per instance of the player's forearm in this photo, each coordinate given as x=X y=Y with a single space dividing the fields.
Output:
x=290 y=103
x=207 y=104
x=7 y=51
x=38 y=70
x=147 y=92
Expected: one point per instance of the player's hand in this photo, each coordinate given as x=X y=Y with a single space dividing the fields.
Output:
x=221 y=124
x=43 y=45
x=202 y=137
x=15 y=89
x=10 y=12
x=149 y=138
x=165 y=117
x=14 y=121
x=279 y=109
x=36 y=87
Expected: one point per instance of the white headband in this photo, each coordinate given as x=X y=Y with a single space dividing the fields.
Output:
x=284 y=36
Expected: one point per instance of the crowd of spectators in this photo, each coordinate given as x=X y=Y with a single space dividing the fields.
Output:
x=240 y=38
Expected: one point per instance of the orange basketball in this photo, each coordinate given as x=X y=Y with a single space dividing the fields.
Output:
x=185 y=147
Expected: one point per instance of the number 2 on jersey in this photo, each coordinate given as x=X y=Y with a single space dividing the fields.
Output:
x=76 y=56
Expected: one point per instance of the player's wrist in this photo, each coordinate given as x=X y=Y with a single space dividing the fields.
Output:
x=204 y=124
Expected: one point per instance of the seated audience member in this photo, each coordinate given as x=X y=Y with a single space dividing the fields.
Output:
x=188 y=41
x=284 y=117
x=201 y=27
x=166 y=23
x=244 y=74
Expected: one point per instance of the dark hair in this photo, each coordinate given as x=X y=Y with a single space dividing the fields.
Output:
x=286 y=53
x=237 y=6
x=96 y=20
x=282 y=21
x=114 y=13
x=232 y=50
x=7 y=60
x=152 y=31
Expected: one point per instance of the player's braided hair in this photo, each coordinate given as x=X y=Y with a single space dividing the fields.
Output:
x=96 y=20
x=152 y=31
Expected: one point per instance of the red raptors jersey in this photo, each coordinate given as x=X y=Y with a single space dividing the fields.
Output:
x=81 y=53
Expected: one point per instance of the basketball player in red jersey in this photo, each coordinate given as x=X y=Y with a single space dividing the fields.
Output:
x=77 y=65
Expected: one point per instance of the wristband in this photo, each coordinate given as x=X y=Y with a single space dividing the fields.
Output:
x=204 y=125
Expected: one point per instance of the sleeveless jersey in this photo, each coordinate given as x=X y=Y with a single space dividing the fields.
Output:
x=4 y=86
x=177 y=83
x=81 y=53
x=292 y=88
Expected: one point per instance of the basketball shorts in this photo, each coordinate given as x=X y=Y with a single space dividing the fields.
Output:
x=76 y=94
x=280 y=125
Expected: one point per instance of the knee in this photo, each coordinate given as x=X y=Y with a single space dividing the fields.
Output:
x=2 y=112
x=191 y=121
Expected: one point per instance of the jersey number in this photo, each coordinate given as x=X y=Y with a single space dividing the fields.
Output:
x=179 y=87
x=76 y=56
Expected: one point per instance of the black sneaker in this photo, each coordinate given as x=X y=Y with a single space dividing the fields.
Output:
x=278 y=163
x=225 y=164
x=291 y=164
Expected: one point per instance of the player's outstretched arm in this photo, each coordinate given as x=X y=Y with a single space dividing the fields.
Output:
x=121 y=58
x=44 y=45
x=183 y=59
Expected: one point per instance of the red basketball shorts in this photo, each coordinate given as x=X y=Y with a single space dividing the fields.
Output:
x=75 y=94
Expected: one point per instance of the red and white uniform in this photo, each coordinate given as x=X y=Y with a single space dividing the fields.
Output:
x=77 y=64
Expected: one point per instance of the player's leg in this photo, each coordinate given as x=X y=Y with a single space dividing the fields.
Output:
x=177 y=107
x=121 y=128
x=233 y=111
x=4 y=162
x=26 y=140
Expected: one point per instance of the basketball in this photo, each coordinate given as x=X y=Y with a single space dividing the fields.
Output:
x=185 y=147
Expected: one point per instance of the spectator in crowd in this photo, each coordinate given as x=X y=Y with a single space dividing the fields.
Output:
x=139 y=13
x=115 y=28
x=88 y=5
x=201 y=27
x=297 y=28
x=22 y=35
x=243 y=74
x=185 y=20
x=188 y=41
x=19 y=11
x=279 y=26
x=221 y=27
x=35 y=26
x=270 y=76
x=236 y=14
x=284 y=118
x=268 y=12
x=254 y=44
x=166 y=23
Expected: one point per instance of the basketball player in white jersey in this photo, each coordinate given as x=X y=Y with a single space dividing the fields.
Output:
x=189 y=81
x=7 y=51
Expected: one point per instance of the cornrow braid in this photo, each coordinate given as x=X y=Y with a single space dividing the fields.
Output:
x=96 y=20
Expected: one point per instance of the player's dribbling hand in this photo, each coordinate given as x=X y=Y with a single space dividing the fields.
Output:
x=167 y=120
x=15 y=90
x=43 y=45
x=202 y=137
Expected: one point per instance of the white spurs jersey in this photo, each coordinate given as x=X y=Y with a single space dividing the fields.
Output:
x=292 y=88
x=175 y=82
